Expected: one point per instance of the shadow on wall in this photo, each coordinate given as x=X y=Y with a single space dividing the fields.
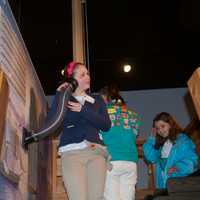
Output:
x=32 y=152
x=37 y=157
x=8 y=186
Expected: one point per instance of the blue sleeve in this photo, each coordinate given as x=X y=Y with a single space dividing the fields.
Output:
x=53 y=108
x=186 y=159
x=150 y=153
x=98 y=119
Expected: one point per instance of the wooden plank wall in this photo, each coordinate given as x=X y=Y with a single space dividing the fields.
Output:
x=22 y=103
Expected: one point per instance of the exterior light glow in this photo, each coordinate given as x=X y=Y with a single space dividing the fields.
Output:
x=127 y=68
x=63 y=72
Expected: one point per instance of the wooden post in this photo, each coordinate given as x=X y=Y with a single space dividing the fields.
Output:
x=78 y=31
x=194 y=88
x=54 y=167
x=3 y=103
x=141 y=193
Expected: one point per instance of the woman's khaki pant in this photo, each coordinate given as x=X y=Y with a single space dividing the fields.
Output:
x=84 y=173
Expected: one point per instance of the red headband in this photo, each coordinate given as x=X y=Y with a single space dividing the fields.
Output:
x=70 y=69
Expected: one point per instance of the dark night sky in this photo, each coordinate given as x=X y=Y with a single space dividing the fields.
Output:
x=160 y=38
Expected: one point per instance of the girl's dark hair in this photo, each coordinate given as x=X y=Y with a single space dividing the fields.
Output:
x=112 y=94
x=175 y=128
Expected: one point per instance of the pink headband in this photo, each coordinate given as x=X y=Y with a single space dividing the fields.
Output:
x=70 y=69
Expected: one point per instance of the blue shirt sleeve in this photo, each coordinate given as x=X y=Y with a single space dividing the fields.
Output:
x=150 y=153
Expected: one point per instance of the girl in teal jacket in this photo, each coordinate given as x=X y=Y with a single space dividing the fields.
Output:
x=120 y=141
x=172 y=151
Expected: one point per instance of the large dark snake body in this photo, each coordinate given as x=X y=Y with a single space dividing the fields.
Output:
x=53 y=123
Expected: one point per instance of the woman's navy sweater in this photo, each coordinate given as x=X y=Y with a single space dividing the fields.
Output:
x=83 y=125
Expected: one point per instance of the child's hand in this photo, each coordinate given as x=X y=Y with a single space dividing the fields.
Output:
x=153 y=131
x=76 y=107
x=62 y=86
x=172 y=170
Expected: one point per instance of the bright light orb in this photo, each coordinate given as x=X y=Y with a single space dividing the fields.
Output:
x=63 y=72
x=127 y=68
